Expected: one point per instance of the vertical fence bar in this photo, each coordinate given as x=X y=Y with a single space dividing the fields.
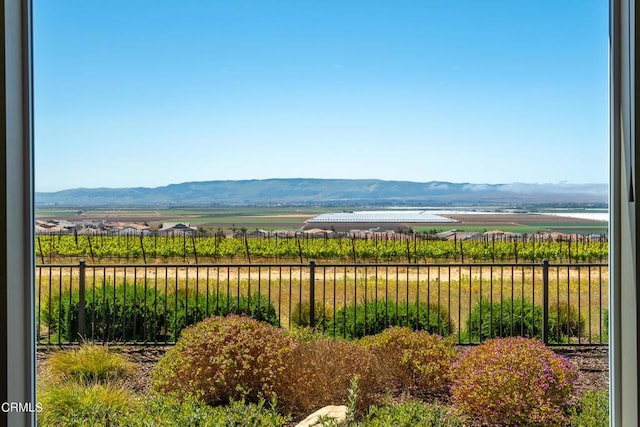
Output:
x=312 y=293
x=545 y=301
x=366 y=285
x=81 y=297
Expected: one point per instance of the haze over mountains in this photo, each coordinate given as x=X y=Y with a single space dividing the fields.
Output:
x=327 y=192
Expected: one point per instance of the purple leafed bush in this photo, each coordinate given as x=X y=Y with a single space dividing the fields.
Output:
x=513 y=381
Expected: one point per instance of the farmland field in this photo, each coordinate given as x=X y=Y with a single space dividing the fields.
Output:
x=205 y=248
x=207 y=265
x=294 y=218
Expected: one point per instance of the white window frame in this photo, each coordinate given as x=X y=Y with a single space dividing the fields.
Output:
x=623 y=217
x=17 y=330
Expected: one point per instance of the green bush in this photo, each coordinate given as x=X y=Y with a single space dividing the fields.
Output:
x=605 y=325
x=412 y=414
x=565 y=322
x=507 y=319
x=513 y=381
x=319 y=373
x=376 y=316
x=305 y=334
x=592 y=410
x=184 y=410
x=301 y=314
x=107 y=405
x=225 y=358
x=521 y=318
x=192 y=310
x=141 y=314
x=412 y=360
x=121 y=313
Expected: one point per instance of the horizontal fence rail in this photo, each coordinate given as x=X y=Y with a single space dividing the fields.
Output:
x=561 y=304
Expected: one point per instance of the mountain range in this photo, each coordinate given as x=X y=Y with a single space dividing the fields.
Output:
x=327 y=192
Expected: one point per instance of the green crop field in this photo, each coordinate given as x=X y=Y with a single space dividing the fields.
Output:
x=261 y=249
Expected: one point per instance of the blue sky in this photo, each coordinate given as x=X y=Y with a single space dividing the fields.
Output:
x=142 y=93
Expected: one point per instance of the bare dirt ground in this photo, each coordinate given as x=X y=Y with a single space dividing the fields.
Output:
x=593 y=363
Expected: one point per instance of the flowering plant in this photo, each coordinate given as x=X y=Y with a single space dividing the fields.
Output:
x=513 y=381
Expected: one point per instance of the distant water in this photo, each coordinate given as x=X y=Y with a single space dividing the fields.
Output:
x=594 y=216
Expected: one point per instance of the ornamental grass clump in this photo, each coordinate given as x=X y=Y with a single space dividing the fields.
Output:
x=88 y=364
x=225 y=358
x=415 y=361
x=97 y=404
x=513 y=381
x=85 y=386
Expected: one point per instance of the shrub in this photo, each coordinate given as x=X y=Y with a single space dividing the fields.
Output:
x=304 y=334
x=592 y=410
x=412 y=359
x=186 y=410
x=73 y=404
x=513 y=381
x=412 y=414
x=107 y=405
x=225 y=358
x=565 y=322
x=187 y=311
x=129 y=312
x=301 y=315
x=112 y=313
x=506 y=319
x=521 y=318
x=319 y=373
x=376 y=316
x=605 y=325
x=89 y=364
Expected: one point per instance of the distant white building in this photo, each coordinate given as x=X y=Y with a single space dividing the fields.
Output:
x=177 y=229
x=127 y=229
x=389 y=216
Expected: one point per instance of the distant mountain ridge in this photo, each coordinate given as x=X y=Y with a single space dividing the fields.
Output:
x=310 y=191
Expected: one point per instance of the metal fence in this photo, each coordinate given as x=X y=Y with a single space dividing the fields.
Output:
x=150 y=304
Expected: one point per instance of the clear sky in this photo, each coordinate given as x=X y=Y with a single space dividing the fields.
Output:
x=149 y=93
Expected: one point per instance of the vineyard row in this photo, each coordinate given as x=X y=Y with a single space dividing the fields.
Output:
x=206 y=249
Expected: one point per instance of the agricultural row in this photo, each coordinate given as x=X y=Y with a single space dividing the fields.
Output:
x=212 y=249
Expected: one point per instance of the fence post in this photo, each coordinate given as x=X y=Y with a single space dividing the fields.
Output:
x=81 y=298
x=545 y=301
x=312 y=293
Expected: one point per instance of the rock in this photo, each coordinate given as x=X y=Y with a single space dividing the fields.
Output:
x=337 y=413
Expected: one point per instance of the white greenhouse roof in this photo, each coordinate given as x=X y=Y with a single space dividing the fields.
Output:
x=381 y=216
